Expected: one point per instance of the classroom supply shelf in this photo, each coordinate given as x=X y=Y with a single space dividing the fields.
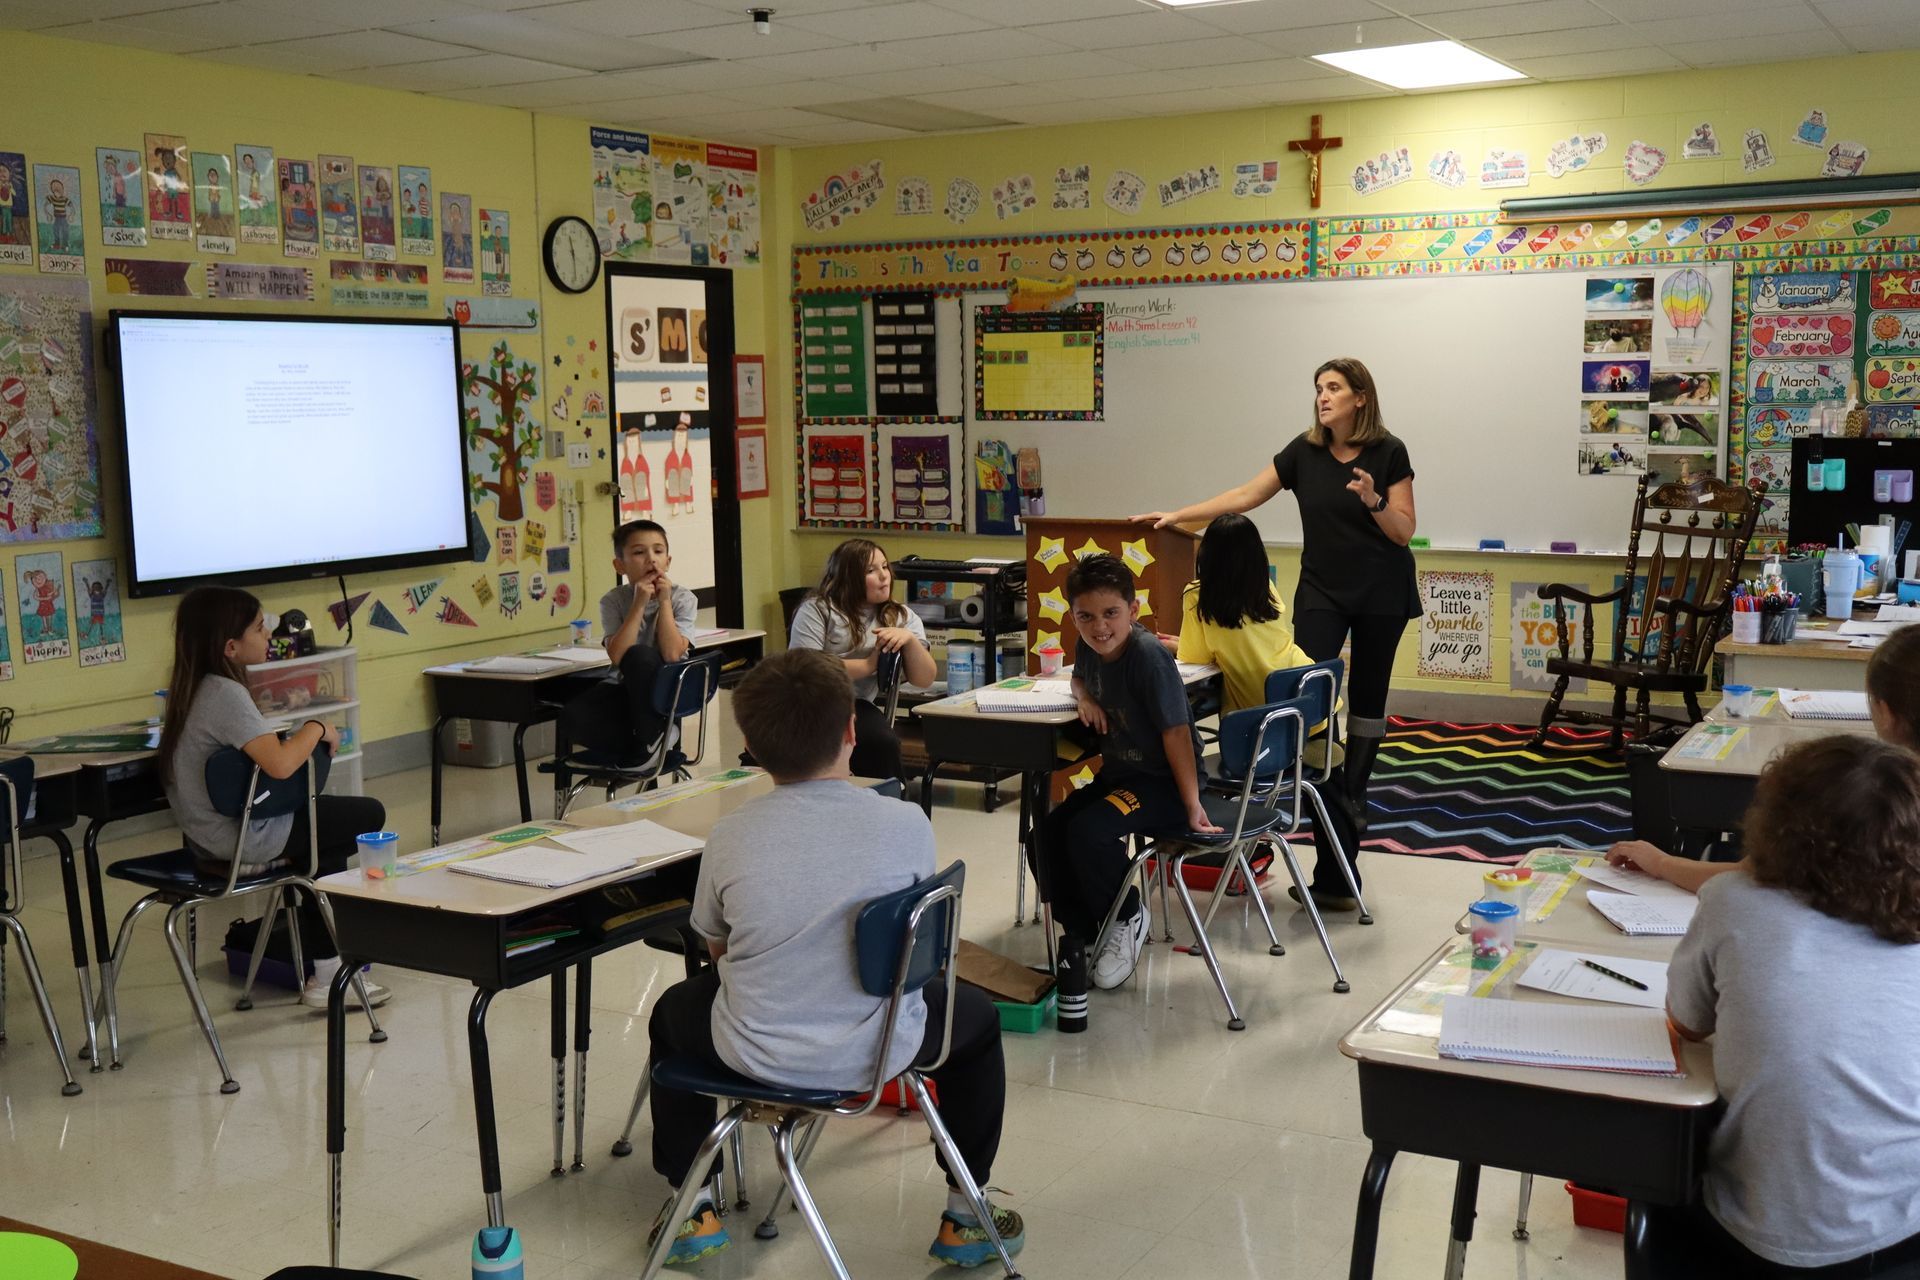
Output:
x=999 y=583
x=323 y=685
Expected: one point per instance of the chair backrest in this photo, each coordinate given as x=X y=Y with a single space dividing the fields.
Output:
x=892 y=788
x=684 y=688
x=887 y=672
x=16 y=776
x=1693 y=538
x=233 y=780
x=1317 y=685
x=901 y=941
x=1258 y=745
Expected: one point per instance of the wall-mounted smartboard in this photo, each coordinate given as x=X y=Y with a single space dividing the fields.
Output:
x=1490 y=380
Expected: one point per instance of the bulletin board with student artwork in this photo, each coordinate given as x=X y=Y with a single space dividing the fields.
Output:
x=836 y=475
x=49 y=466
x=1038 y=365
x=922 y=469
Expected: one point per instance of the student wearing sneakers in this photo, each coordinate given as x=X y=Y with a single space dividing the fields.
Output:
x=647 y=621
x=782 y=880
x=1130 y=693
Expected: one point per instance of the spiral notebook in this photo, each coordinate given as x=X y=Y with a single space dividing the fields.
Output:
x=1824 y=704
x=1640 y=916
x=1632 y=1041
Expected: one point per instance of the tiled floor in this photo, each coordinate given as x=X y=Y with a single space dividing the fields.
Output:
x=1157 y=1145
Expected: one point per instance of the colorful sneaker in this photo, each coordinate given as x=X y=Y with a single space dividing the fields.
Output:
x=700 y=1236
x=963 y=1242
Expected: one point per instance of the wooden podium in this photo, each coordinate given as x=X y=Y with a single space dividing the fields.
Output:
x=1161 y=560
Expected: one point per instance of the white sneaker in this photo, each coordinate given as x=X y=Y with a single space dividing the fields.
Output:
x=1121 y=951
x=314 y=994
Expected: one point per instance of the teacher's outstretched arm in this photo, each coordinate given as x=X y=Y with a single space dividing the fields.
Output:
x=1239 y=499
x=1395 y=518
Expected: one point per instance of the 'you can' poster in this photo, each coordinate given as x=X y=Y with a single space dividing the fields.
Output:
x=43 y=606
x=96 y=612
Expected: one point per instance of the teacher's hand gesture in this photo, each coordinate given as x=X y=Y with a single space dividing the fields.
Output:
x=1361 y=486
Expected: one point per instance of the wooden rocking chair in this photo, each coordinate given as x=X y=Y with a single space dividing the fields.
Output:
x=1695 y=537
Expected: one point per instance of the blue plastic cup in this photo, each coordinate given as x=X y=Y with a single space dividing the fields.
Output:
x=1840 y=577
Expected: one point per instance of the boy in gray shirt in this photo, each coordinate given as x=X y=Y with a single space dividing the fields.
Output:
x=646 y=622
x=782 y=881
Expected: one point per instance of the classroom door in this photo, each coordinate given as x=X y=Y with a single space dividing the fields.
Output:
x=671 y=459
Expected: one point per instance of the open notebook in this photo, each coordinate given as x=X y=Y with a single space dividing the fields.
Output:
x=1824 y=704
x=1041 y=695
x=1635 y=1041
x=1641 y=916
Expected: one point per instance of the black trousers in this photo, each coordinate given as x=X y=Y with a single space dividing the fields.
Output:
x=1376 y=638
x=618 y=715
x=876 y=748
x=341 y=820
x=1688 y=1242
x=972 y=1082
x=1083 y=847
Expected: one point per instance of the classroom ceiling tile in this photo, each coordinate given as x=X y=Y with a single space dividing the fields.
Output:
x=1281 y=15
x=1307 y=91
x=832 y=63
x=1738 y=50
x=1139 y=81
x=1307 y=41
x=1515 y=19
x=1861 y=13
x=525 y=36
x=1773 y=21
x=1544 y=44
x=480 y=73
x=31 y=15
x=1217 y=51
x=1875 y=37
x=711 y=77
x=133 y=36
x=626 y=18
x=1026 y=13
x=230 y=22
x=1613 y=62
x=911 y=114
x=1072 y=112
x=651 y=106
x=535 y=95
x=902 y=21
x=1063 y=66
x=791 y=8
x=844 y=131
x=979 y=46
x=1273 y=71
x=1187 y=102
x=801 y=93
x=738 y=40
x=999 y=98
x=922 y=81
x=324 y=55
x=1145 y=27
x=354 y=15
x=1718 y=10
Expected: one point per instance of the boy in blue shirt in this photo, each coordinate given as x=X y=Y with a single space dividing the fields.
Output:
x=1130 y=693
x=782 y=881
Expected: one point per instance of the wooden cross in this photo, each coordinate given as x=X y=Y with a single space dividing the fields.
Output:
x=1313 y=144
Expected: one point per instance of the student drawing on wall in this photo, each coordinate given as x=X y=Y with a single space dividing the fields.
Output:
x=96 y=623
x=680 y=470
x=456 y=246
x=636 y=481
x=250 y=170
x=169 y=187
x=300 y=217
x=116 y=187
x=59 y=207
x=46 y=594
x=6 y=202
x=213 y=196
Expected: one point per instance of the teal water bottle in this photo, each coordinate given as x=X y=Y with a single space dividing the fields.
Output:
x=496 y=1255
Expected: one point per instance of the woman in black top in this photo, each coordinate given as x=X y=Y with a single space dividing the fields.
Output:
x=1355 y=489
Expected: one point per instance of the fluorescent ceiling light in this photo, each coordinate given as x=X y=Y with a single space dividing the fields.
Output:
x=1430 y=65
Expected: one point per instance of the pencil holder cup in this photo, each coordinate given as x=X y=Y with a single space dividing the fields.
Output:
x=1508 y=884
x=1494 y=925
x=1746 y=627
x=379 y=851
x=1739 y=700
x=1050 y=659
x=1780 y=626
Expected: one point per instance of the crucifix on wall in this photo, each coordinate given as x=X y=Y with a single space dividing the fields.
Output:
x=1313 y=144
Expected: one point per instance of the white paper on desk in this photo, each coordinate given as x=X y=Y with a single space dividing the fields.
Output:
x=1898 y=613
x=1191 y=671
x=1634 y=881
x=514 y=664
x=580 y=653
x=1873 y=628
x=544 y=867
x=1562 y=973
x=1639 y=917
x=639 y=842
x=1830 y=636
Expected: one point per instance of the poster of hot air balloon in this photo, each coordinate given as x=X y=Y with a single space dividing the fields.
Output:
x=1686 y=297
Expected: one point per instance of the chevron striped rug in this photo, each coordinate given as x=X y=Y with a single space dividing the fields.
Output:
x=1478 y=793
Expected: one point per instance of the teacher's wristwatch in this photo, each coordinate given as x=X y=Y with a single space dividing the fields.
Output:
x=1380 y=505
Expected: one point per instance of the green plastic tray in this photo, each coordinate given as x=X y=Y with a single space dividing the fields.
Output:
x=1027 y=1018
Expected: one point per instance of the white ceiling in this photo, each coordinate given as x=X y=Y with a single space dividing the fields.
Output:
x=697 y=67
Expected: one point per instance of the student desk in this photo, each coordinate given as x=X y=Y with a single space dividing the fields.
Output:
x=1572 y=924
x=1644 y=1136
x=1712 y=793
x=526 y=699
x=1798 y=664
x=957 y=731
x=440 y=921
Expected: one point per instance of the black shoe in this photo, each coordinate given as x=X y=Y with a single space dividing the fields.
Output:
x=1326 y=901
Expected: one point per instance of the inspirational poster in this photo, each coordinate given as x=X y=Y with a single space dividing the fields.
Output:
x=1533 y=639
x=1456 y=626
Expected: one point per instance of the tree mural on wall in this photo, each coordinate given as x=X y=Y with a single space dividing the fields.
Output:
x=499 y=457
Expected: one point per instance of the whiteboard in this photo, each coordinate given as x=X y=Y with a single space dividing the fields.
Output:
x=1481 y=376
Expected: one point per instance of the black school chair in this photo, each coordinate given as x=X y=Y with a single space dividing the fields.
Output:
x=902 y=942
x=17 y=776
x=238 y=788
x=680 y=689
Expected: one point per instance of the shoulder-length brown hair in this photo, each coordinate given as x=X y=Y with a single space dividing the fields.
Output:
x=843 y=589
x=1369 y=425
x=207 y=618
x=1836 y=822
x=1893 y=678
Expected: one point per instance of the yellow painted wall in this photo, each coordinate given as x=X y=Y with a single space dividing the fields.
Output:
x=1867 y=99
x=535 y=167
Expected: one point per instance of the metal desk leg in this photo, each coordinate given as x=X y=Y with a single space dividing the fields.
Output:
x=1466 y=1191
x=483 y=1122
x=926 y=788
x=520 y=770
x=1366 y=1217
x=337 y=1097
x=434 y=765
x=1033 y=808
x=102 y=940
x=1638 y=1245
x=1520 y=1231
x=77 y=936
x=558 y=1044
x=1022 y=845
x=582 y=1028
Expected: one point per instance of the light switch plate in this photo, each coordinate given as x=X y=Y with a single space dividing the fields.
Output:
x=579 y=455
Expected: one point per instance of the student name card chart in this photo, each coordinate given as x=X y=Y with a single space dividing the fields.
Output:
x=1040 y=364
x=904 y=383
x=833 y=351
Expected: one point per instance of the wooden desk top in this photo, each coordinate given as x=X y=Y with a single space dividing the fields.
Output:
x=440 y=889
x=1571 y=921
x=56 y=764
x=464 y=670
x=1775 y=714
x=1799 y=647
x=1758 y=742
x=1415 y=1044
x=961 y=706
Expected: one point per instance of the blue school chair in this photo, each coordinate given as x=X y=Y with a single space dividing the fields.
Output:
x=901 y=943
x=681 y=689
x=238 y=789
x=1262 y=758
x=17 y=776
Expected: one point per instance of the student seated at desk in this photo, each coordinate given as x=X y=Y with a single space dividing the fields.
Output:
x=642 y=635
x=853 y=616
x=217 y=633
x=782 y=881
x=1893 y=700
x=1130 y=693
x=1804 y=968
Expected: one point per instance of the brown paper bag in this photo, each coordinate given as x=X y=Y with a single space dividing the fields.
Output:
x=1001 y=978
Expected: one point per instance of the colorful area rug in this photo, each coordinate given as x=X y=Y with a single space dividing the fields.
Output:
x=104 y=1262
x=1479 y=793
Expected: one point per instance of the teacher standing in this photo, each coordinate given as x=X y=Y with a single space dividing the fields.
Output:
x=1354 y=484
